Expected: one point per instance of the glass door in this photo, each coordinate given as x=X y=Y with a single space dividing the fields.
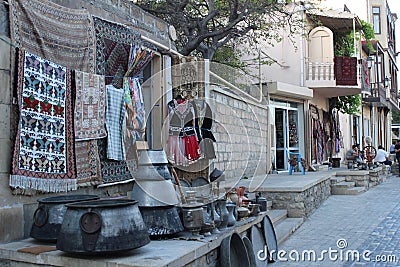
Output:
x=286 y=135
x=281 y=139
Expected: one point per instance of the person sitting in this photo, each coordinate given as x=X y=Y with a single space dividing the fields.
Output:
x=382 y=156
x=354 y=154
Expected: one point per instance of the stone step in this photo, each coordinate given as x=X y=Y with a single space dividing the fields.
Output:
x=344 y=185
x=348 y=191
x=337 y=179
x=287 y=227
x=277 y=215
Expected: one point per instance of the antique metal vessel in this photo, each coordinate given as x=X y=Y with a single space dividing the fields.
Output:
x=233 y=252
x=49 y=215
x=155 y=193
x=105 y=225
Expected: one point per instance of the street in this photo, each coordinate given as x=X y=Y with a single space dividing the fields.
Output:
x=360 y=230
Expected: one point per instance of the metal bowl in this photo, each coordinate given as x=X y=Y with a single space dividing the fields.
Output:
x=49 y=215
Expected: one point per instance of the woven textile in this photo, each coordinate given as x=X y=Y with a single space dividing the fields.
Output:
x=63 y=35
x=115 y=121
x=112 y=170
x=366 y=86
x=87 y=163
x=44 y=148
x=113 y=43
x=90 y=111
x=346 y=71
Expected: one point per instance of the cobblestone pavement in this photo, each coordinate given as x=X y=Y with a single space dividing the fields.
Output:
x=345 y=227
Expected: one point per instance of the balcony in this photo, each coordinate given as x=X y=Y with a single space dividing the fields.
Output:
x=378 y=96
x=331 y=79
x=382 y=97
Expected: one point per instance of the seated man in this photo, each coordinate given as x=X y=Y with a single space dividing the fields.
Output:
x=354 y=154
x=382 y=156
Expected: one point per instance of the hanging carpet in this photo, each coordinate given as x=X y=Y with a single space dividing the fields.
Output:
x=346 y=71
x=90 y=108
x=112 y=170
x=87 y=163
x=63 y=35
x=113 y=43
x=44 y=149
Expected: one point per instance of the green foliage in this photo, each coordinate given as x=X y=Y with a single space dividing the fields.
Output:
x=204 y=26
x=369 y=33
x=346 y=104
x=227 y=55
x=396 y=117
x=344 y=44
x=368 y=30
x=344 y=41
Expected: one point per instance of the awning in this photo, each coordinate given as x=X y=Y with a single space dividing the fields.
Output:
x=335 y=20
x=288 y=90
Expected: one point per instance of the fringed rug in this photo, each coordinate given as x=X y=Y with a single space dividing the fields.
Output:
x=112 y=170
x=63 y=35
x=87 y=163
x=90 y=106
x=44 y=149
x=113 y=42
x=346 y=71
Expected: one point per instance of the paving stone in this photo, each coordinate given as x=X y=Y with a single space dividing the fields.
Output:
x=369 y=221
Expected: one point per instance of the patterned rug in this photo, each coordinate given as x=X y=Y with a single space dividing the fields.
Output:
x=112 y=170
x=90 y=106
x=87 y=163
x=44 y=149
x=113 y=43
x=63 y=35
x=346 y=71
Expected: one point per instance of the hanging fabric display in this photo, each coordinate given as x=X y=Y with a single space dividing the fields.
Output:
x=115 y=118
x=113 y=44
x=44 y=149
x=57 y=33
x=87 y=163
x=90 y=112
x=203 y=125
x=136 y=117
x=183 y=147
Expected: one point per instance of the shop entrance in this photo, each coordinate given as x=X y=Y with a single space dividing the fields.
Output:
x=286 y=132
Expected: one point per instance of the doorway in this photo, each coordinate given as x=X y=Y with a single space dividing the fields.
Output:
x=287 y=130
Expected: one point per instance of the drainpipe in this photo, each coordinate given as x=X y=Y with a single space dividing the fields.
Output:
x=354 y=39
x=302 y=54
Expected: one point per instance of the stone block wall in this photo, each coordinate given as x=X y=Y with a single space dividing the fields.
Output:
x=16 y=208
x=300 y=204
x=240 y=128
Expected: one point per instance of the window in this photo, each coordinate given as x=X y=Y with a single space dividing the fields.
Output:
x=376 y=13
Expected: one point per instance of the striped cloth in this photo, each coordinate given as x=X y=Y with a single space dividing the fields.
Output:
x=115 y=118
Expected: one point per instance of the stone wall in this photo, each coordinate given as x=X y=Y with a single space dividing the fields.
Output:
x=300 y=204
x=240 y=127
x=16 y=210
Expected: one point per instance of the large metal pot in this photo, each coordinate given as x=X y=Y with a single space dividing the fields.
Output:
x=105 y=225
x=161 y=221
x=49 y=215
